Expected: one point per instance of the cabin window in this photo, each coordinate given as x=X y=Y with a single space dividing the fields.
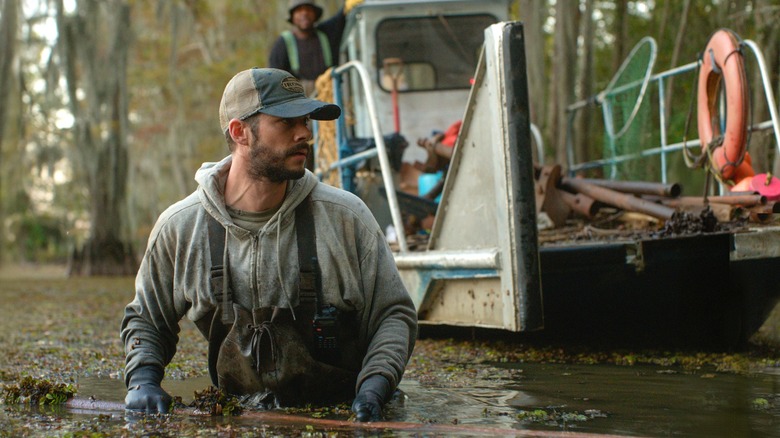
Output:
x=429 y=53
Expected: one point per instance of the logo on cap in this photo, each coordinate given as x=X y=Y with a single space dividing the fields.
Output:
x=292 y=85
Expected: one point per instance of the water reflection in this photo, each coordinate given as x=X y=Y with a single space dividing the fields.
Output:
x=657 y=401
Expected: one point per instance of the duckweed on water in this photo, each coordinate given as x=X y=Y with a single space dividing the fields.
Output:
x=554 y=417
x=37 y=392
x=337 y=411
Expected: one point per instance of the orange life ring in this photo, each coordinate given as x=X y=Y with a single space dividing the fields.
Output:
x=722 y=60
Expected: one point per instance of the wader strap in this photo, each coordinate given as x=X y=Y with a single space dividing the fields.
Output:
x=310 y=283
x=310 y=286
x=219 y=272
x=292 y=50
x=216 y=242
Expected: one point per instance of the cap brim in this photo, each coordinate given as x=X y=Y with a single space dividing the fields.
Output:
x=315 y=109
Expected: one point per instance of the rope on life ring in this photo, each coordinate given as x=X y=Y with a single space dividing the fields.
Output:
x=722 y=61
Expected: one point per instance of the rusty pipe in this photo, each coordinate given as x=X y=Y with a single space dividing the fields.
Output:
x=761 y=213
x=618 y=199
x=742 y=200
x=580 y=203
x=638 y=187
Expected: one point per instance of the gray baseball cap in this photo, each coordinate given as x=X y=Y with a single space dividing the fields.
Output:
x=270 y=91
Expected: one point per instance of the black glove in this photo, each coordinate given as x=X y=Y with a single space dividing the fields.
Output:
x=372 y=395
x=144 y=392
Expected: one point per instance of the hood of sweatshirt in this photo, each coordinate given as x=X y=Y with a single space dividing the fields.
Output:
x=211 y=179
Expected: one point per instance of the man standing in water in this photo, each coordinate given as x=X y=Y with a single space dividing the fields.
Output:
x=291 y=319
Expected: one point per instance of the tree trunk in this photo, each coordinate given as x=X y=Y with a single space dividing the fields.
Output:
x=763 y=143
x=8 y=26
x=621 y=34
x=533 y=13
x=564 y=58
x=678 y=43
x=94 y=43
x=585 y=81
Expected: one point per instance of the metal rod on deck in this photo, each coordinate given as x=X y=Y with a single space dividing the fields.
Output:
x=617 y=199
x=743 y=200
x=638 y=187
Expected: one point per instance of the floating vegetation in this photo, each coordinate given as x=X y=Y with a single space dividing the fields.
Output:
x=215 y=402
x=337 y=411
x=37 y=392
x=555 y=417
x=473 y=352
x=761 y=404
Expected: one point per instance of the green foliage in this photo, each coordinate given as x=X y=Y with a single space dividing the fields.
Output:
x=556 y=417
x=37 y=392
x=37 y=237
x=761 y=404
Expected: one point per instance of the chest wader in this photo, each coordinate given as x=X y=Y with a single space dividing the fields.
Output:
x=311 y=357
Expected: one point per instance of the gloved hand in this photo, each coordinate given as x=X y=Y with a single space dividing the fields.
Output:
x=372 y=395
x=144 y=392
x=349 y=4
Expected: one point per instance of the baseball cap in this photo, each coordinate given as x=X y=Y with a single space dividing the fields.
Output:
x=295 y=4
x=270 y=91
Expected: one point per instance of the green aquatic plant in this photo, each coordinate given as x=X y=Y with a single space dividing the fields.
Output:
x=215 y=402
x=316 y=411
x=761 y=404
x=557 y=417
x=37 y=392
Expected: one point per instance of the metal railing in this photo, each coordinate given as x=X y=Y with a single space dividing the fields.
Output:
x=380 y=151
x=665 y=148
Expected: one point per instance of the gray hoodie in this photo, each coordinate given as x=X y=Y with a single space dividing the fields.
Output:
x=358 y=272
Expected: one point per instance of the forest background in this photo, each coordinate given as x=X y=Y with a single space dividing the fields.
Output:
x=107 y=107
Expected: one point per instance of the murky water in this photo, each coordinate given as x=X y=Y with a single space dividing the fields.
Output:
x=50 y=330
x=596 y=399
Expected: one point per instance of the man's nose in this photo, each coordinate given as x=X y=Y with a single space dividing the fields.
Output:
x=303 y=132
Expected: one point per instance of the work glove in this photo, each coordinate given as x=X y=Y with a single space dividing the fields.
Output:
x=372 y=395
x=349 y=4
x=144 y=393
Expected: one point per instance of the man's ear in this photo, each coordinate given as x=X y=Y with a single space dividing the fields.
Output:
x=239 y=131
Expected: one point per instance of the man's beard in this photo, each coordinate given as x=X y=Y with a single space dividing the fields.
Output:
x=265 y=163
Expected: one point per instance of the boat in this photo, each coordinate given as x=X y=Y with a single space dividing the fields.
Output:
x=491 y=260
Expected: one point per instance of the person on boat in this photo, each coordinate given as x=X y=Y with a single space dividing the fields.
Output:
x=290 y=319
x=309 y=48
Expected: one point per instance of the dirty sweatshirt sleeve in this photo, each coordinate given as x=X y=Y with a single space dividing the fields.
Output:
x=389 y=314
x=150 y=326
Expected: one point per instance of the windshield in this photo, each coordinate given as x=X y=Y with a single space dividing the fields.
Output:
x=429 y=53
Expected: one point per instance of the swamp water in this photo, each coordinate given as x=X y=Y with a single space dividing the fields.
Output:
x=545 y=398
x=66 y=330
